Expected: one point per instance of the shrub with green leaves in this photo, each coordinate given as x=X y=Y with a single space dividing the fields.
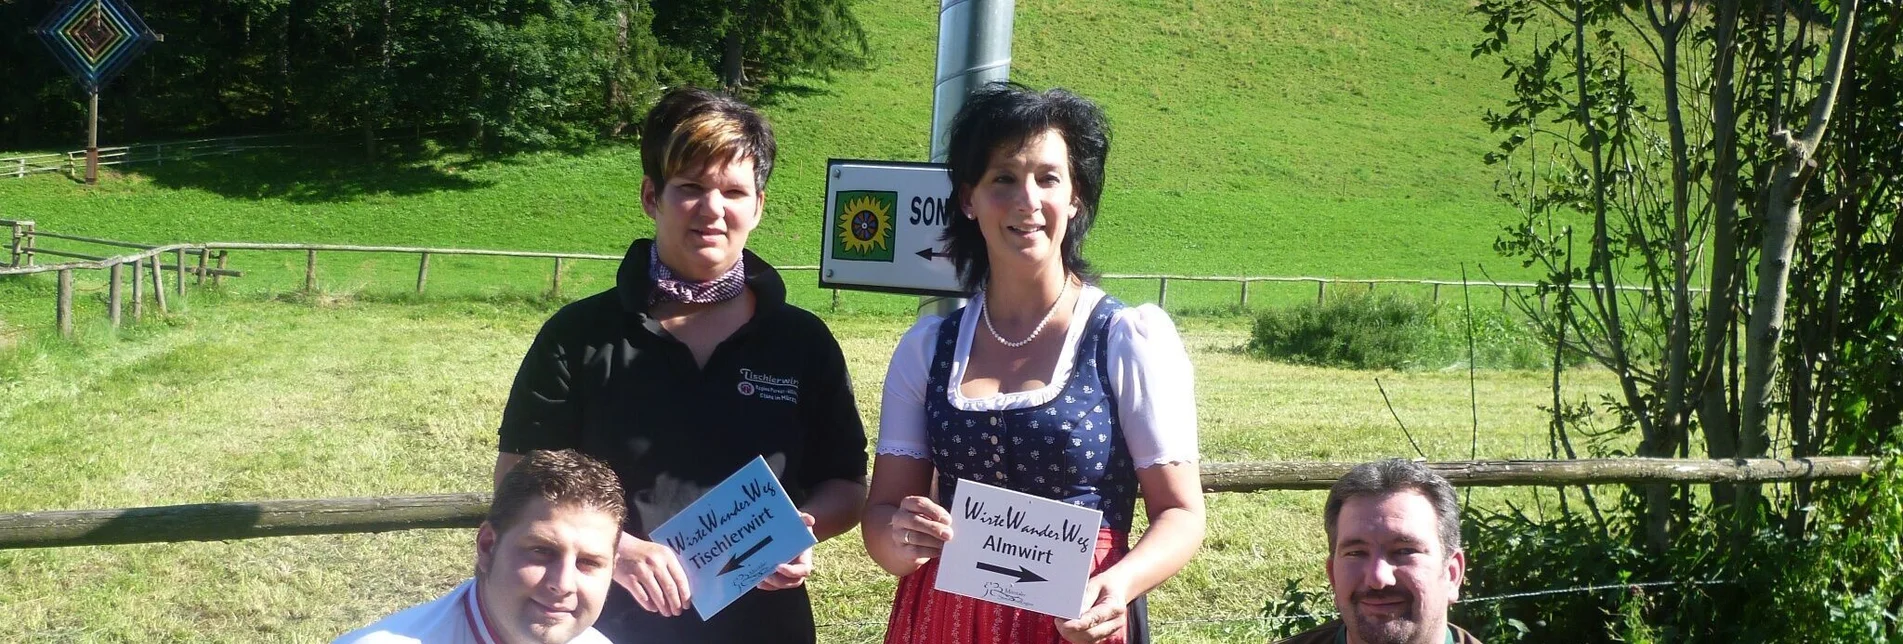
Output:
x=1392 y=331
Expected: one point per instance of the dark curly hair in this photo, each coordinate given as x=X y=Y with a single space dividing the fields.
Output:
x=1007 y=115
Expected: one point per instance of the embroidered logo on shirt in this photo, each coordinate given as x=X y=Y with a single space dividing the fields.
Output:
x=767 y=387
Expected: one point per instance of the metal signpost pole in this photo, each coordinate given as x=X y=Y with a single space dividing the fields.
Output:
x=92 y=142
x=974 y=48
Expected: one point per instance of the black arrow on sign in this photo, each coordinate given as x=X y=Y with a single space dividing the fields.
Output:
x=734 y=563
x=930 y=253
x=1022 y=573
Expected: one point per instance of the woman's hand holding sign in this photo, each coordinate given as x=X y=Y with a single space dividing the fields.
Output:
x=1110 y=603
x=921 y=527
x=653 y=574
x=792 y=574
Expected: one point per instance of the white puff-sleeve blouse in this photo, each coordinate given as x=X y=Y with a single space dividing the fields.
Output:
x=1149 y=371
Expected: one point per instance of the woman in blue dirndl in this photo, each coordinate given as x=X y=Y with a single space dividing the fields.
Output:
x=1043 y=384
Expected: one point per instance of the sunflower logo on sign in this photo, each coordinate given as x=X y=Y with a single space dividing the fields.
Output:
x=864 y=226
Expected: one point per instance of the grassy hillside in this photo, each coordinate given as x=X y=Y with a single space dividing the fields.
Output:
x=1270 y=138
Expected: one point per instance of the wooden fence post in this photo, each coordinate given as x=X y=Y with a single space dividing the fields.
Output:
x=310 y=271
x=1321 y=292
x=113 y=300
x=138 y=289
x=64 y=314
x=422 y=273
x=202 y=255
x=179 y=258
x=13 y=245
x=31 y=243
x=1162 y=291
x=1436 y=293
x=1244 y=300
x=555 y=283
x=158 y=284
x=219 y=279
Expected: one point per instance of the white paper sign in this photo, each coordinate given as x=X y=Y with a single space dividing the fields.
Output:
x=1019 y=550
x=734 y=536
x=883 y=220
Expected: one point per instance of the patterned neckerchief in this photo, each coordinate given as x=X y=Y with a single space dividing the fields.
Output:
x=667 y=288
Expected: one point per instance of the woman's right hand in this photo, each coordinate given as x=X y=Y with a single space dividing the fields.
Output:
x=920 y=527
x=653 y=574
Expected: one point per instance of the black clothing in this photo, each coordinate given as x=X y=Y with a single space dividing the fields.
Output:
x=604 y=378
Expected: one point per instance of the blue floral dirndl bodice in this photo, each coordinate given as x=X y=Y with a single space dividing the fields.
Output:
x=1069 y=449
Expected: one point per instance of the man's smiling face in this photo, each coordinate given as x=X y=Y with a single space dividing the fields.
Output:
x=543 y=581
x=1393 y=579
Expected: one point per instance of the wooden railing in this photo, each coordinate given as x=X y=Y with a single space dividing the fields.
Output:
x=24 y=249
x=74 y=161
x=254 y=519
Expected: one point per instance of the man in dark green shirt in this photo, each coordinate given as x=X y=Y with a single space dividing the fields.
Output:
x=1394 y=557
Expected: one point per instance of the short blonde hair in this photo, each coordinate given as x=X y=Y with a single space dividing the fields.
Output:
x=690 y=128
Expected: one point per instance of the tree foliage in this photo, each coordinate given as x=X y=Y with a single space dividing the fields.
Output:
x=504 y=73
x=1736 y=161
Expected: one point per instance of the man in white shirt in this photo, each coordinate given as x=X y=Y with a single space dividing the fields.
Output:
x=545 y=557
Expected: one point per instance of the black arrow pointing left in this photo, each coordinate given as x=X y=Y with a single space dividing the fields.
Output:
x=1022 y=574
x=734 y=563
x=930 y=253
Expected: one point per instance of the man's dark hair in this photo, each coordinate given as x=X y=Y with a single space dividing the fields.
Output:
x=565 y=479
x=1007 y=115
x=1382 y=478
x=691 y=127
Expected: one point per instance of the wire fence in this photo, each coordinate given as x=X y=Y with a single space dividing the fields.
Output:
x=25 y=247
x=1320 y=616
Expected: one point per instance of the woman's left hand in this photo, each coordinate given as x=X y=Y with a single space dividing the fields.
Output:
x=792 y=574
x=1110 y=603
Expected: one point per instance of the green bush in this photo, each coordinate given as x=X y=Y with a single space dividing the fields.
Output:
x=1392 y=331
x=1836 y=582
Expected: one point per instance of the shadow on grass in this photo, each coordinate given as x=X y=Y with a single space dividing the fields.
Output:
x=312 y=175
x=777 y=93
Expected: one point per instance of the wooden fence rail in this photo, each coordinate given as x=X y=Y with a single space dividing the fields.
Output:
x=23 y=249
x=246 y=520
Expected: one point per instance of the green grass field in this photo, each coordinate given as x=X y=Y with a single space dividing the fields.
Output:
x=1262 y=138
x=1326 y=138
x=248 y=399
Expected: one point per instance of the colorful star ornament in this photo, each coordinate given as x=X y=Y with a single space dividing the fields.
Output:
x=95 y=39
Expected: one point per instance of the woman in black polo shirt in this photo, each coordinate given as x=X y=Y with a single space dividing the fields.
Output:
x=692 y=365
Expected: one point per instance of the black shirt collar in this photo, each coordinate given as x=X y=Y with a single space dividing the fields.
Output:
x=634 y=285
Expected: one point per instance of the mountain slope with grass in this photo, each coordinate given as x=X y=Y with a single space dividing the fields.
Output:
x=1271 y=138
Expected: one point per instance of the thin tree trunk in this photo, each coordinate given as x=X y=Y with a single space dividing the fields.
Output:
x=1658 y=497
x=614 y=95
x=1715 y=415
x=1782 y=218
x=732 y=69
x=1678 y=338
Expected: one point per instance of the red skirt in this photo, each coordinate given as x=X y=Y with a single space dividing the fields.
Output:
x=924 y=615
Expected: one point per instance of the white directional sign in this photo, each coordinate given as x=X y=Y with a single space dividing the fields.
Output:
x=883 y=221
x=1019 y=550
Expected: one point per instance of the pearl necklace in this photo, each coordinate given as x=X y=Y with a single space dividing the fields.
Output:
x=984 y=311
